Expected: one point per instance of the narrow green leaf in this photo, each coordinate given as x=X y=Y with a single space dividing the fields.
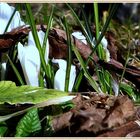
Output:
x=86 y=73
x=69 y=58
x=88 y=28
x=48 y=67
x=78 y=81
x=89 y=40
x=16 y=71
x=38 y=45
x=104 y=29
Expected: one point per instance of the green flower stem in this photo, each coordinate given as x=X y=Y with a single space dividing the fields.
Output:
x=41 y=79
x=44 y=65
x=89 y=40
x=87 y=24
x=100 y=50
x=47 y=31
x=16 y=71
x=126 y=62
x=92 y=82
x=69 y=58
x=78 y=81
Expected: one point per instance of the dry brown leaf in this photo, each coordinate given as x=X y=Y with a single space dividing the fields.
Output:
x=9 y=39
x=112 y=45
x=95 y=115
x=121 y=131
x=120 y=113
x=5 y=44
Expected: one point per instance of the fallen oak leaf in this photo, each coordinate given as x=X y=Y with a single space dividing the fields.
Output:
x=58 y=45
x=112 y=47
x=122 y=111
x=57 y=39
x=82 y=120
x=5 y=44
x=9 y=39
x=17 y=34
x=121 y=131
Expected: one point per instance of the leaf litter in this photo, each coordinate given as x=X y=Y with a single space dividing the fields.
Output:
x=100 y=115
x=95 y=115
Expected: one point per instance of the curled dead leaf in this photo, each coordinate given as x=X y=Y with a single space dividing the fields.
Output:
x=96 y=115
x=9 y=39
x=5 y=44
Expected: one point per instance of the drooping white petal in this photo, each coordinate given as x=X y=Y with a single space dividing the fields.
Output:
x=41 y=35
x=16 y=21
x=105 y=44
x=80 y=36
x=3 y=70
x=6 y=12
x=30 y=59
x=30 y=62
x=59 y=79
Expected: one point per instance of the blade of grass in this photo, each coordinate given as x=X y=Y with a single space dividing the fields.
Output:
x=37 y=42
x=89 y=39
x=100 y=50
x=16 y=71
x=83 y=28
x=126 y=62
x=78 y=81
x=41 y=77
x=104 y=29
x=86 y=23
x=112 y=11
x=69 y=58
x=124 y=69
x=48 y=28
x=86 y=73
x=48 y=67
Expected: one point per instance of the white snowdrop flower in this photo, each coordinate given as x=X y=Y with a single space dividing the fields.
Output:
x=80 y=36
x=105 y=44
x=30 y=59
x=59 y=79
x=6 y=12
x=3 y=69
